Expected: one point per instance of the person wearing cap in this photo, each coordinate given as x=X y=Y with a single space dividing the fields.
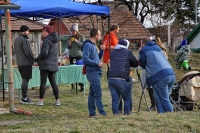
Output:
x=48 y=64
x=159 y=74
x=121 y=59
x=74 y=46
x=25 y=60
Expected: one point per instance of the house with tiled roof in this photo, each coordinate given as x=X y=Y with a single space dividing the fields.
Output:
x=17 y=22
x=130 y=27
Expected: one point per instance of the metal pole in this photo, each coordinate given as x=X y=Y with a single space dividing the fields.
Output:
x=109 y=34
x=196 y=1
x=2 y=56
x=59 y=44
x=169 y=35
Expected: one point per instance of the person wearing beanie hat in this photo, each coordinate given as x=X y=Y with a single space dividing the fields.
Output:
x=48 y=29
x=74 y=46
x=74 y=27
x=122 y=44
x=184 y=42
x=48 y=64
x=25 y=60
x=24 y=28
x=121 y=59
x=125 y=44
x=183 y=53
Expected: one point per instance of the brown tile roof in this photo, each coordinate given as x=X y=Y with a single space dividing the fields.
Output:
x=130 y=27
x=16 y=24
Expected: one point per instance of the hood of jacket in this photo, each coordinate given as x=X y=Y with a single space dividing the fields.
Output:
x=151 y=43
x=53 y=37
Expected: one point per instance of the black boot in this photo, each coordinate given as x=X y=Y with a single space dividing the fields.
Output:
x=153 y=105
x=72 y=87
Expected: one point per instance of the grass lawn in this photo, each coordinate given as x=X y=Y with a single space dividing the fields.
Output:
x=72 y=115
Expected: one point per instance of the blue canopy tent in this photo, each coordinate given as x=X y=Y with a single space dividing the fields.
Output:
x=56 y=8
x=34 y=9
x=37 y=9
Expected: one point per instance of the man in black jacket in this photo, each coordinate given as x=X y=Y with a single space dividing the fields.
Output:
x=25 y=60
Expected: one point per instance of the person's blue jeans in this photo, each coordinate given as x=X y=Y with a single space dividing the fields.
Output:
x=131 y=102
x=161 y=91
x=95 y=94
x=119 y=87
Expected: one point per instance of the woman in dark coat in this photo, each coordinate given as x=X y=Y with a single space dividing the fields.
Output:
x=48 y=63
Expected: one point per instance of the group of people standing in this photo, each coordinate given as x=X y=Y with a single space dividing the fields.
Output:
x=159 y=73
x=47 y=59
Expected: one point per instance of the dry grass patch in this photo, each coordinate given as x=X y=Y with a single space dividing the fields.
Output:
x=72 y=115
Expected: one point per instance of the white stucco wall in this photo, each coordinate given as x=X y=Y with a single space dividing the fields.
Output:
x=195 y=42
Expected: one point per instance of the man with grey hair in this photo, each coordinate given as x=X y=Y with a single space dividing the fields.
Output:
x=159 y=74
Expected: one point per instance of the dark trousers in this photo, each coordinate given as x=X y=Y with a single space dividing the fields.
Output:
x=120 y=104
x=24 y=87
x=43 y=80
x=108 y=67
x=26 y=74
x=150 y=90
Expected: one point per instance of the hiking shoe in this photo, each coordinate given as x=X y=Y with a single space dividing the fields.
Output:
x=39 y=103
x=27 y=101
x=120 y=113
x=93 y=116
x=57 y=103
x=152 y=108
x=72 y=88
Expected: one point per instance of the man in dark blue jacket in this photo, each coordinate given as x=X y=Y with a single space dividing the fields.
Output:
x=121 y=59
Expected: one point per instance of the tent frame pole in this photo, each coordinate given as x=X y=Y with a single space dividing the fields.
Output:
x=109 y=33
